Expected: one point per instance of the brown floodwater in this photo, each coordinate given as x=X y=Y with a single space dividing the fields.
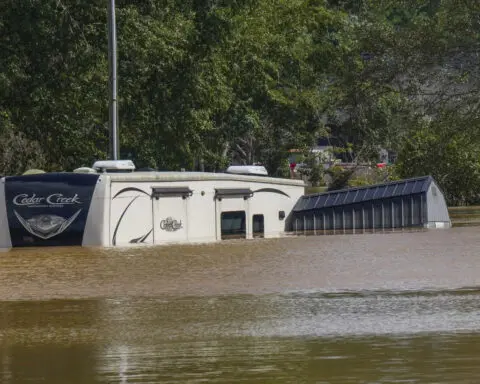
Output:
x=398 y=307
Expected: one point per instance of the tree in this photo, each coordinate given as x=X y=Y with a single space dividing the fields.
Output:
x=17 y=153
x=448 y=149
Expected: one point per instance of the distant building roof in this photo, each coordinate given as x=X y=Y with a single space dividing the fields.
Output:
x=363 y=194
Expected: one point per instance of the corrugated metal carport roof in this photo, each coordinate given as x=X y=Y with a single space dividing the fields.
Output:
x=363 y=194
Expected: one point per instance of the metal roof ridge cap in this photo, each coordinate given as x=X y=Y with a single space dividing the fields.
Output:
x=304 y=201
x=414 y=185
x=355 y=198
x=385 y=191
x=325 y=202
x=338 y=195
x=346 y=195
x=394 y=189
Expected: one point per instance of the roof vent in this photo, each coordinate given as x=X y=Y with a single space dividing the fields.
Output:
x=114 y=166
x=257 y=170
x=84 y=170
x=33 y=172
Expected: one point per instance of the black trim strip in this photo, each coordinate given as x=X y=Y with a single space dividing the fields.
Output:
x=141 y=239
x=272 y=190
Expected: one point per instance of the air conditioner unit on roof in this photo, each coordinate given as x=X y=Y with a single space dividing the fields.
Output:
x=114 y=165
x=258 y=170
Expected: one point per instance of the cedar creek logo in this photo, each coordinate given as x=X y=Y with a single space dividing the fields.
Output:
x=45 y=225
x=170 y=224
x=53 y=200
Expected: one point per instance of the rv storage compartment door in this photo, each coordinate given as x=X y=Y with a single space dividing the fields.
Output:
x=170 y=210
x=232 y=212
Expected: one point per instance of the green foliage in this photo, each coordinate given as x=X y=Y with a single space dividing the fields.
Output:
x=17 y=153
x=284 y=169
x=374 y=176
x=312 y=168
x=209 y=81
x=446 y=148
x=339 y=177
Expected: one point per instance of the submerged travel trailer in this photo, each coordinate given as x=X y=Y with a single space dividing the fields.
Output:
x=111 y=205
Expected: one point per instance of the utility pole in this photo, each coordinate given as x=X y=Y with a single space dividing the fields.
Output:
x=112 y=82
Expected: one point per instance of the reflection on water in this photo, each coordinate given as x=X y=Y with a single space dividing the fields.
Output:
x=384 y=308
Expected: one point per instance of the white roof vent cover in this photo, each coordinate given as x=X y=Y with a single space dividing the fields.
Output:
x=258 y=170
x=114 y=165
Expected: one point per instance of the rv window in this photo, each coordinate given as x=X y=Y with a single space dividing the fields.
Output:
x=258 y=226
x=233 y=225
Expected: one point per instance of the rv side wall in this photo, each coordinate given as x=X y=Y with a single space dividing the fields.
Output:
x=5 y=241
x=97 y=225
x=138 y=218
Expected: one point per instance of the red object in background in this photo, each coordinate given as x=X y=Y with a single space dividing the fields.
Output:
x=292 y=166
x=381 y=165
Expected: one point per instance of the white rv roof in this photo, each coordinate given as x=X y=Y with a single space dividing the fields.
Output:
x=126 y=165
x=259 y=170
x=197 y=176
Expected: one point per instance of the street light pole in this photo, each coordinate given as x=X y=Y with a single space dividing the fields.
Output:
x=112 y=80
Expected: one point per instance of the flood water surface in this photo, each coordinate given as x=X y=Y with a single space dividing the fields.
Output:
x=375 y=308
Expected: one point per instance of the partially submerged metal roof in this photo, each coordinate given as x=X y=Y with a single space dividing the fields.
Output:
x=363 y=194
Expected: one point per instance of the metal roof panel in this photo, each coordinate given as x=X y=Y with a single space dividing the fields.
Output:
x=362 y=194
